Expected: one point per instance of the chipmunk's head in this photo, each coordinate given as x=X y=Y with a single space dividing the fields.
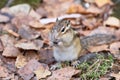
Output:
x=61 y=33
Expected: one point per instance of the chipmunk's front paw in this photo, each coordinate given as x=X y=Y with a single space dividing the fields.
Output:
x=56 y=66
x=75 y=64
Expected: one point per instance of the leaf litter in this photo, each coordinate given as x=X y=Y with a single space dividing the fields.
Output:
x=24 y=42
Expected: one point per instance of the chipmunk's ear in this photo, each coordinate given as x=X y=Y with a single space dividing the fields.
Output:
x=68 y=23
x=57 y=20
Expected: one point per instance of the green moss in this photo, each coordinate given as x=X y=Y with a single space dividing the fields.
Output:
x=33 y=3
x=2 y=3
x=116 y=9
x=93 y=70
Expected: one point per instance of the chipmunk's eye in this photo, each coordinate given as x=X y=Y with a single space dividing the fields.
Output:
x=63 y=29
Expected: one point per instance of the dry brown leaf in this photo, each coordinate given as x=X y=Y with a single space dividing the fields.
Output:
x=22 y=19
x=21 y=8
x=90 y=23
x=27 y=72
x=63 y=74
x=45 y=34
x=104 y=78
x=34 y=14
x=30 y=45
x=114 y=48
x=10 y=77
x=10 y=28
x=13 y=33
x=3 y=72
x=42 y=72
x=49 y=26
x=27 y=33
x=112 y=21
x=36 y=24
x=21 y=61
x=32 y=55
x=46 y=56
x=7 y=40
x=41 y=11
x=101 y=3
x=98 y=48
x=76 y=8
x=117 y=76
x=4 y=18
x=57 y=5
x=10 y=51
x=94 y=10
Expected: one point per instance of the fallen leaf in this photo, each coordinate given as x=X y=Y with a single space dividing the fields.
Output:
x=76 y=8
x=49 y=26
x=101 y=3
x=41 y=11
x=34 y=14
x=21 y=61
x=57 y=6
x=42 y=72
x=7 y=40
x=117 y=76
x=10 y=28
x=90 y=23
x=10 y=77
x=104 y=78
x=21 y=8
x=94 y=10
x=98 y=48
x=63 y=74
x=114 y=48
x=26 y=33
x=30 y=45
x=4 y=18
x=112 y=21
x=10 y=51
x=32 y=55
x=27 y=72
x=22 y=19
x=3 y=72
x=13 y=33
x=46 y=56
x=36 y=24
x=45 y=34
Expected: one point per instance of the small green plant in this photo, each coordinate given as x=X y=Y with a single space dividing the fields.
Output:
x=33 y=3
x=93 y=70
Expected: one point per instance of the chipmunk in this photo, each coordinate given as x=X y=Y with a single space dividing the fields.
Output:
x=67 y=45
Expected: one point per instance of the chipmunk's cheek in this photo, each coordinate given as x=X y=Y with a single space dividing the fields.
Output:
x=60 y=43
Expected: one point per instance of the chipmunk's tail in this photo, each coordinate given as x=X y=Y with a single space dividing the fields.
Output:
x=97 y=39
